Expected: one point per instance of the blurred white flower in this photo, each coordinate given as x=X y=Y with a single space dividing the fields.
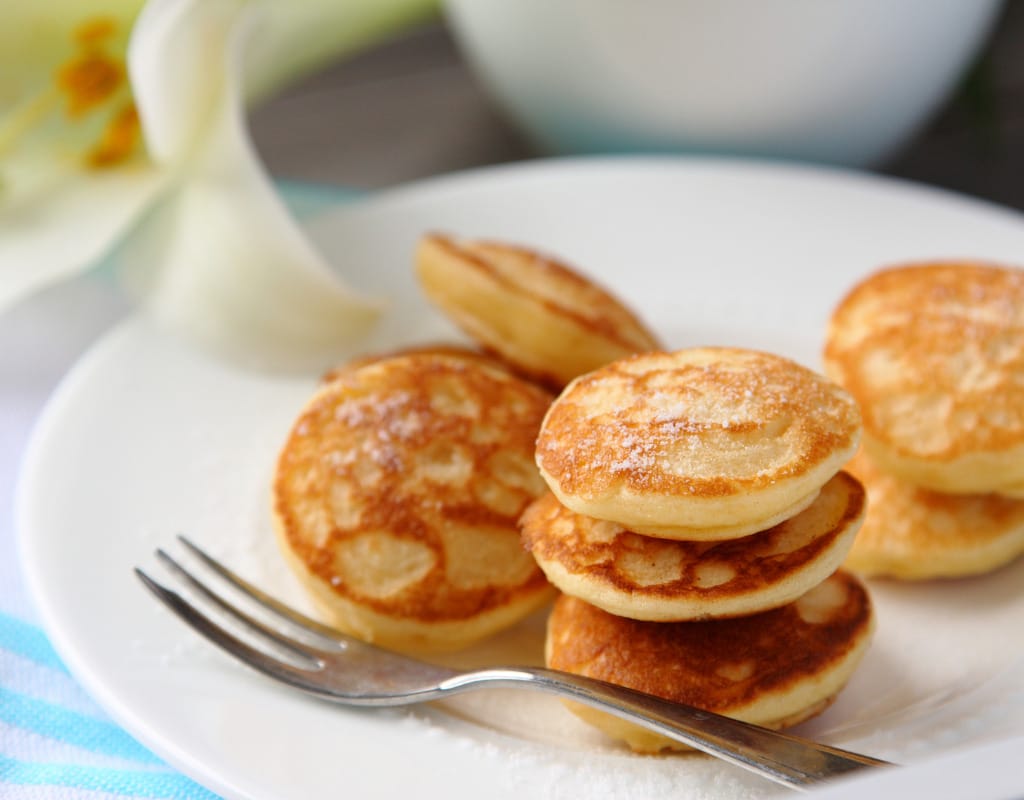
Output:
x=126 y=126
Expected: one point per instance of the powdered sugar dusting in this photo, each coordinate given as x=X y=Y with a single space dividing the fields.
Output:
x=550 y=771
x=699 y=421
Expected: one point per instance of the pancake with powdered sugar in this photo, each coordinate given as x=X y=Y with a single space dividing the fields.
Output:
x=703 y=444
x=397 y=494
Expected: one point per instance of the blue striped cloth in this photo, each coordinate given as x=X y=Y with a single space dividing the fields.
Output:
x=55 y=742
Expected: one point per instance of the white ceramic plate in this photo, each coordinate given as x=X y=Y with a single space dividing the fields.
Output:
x=146 y=439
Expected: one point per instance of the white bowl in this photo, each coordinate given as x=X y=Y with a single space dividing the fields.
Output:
x=838 y=81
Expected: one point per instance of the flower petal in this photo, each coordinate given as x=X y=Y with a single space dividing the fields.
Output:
x=65 y=121
x=54 y=235
x=220 y=259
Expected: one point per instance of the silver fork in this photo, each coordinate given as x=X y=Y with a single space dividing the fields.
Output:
x=323 y=662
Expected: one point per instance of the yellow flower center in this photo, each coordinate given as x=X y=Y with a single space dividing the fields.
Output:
x=118 y=140
x=88 y=80
x=90 y=90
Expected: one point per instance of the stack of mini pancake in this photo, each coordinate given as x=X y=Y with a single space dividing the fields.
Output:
x=934 y=355
x=696 y=518
x=697 y=510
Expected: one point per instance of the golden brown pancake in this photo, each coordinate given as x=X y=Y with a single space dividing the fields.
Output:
x=396 y=499
x=645 y=578
x=702 y=444
x=773 y=669
x=934 y=355
x=914 y=533
x=540 y=315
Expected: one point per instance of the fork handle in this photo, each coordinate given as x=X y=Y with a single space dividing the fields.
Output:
x=783 y=758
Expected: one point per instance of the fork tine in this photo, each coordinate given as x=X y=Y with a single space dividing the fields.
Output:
x=266 y=601
x=257 y=660
x=289 y=647
x=205 y=627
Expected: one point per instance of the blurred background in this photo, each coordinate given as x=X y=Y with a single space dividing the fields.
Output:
x=413 y=108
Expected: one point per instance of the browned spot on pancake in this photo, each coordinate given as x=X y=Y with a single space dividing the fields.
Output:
x=704 y=664
x=607 y=553
x=418 y=467
x=934 y=354
x=711 y=422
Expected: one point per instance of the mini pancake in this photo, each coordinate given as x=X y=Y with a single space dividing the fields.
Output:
x=773 y=669
x=540 y=315
x=396 y=499
x=703 y=444
x=655 y=579
x=914 y=533
x=934 y=355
